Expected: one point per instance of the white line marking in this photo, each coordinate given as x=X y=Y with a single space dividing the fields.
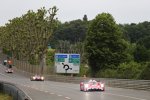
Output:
x=126 y=96
x=28 y=86
x=46 y=91
x=67 y=98
x=52 y=93
x=59 y=95
x=41 y=90
x=36 y=88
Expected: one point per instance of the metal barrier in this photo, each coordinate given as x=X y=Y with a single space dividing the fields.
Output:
x=13 y=91
x=119 y=83
x=129 y=84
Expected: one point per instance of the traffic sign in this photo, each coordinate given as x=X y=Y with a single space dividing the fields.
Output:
x=67 y=63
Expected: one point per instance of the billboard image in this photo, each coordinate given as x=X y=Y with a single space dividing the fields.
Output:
x=67 y=63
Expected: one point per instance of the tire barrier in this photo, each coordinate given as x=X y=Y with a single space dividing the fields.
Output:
x=13 y=91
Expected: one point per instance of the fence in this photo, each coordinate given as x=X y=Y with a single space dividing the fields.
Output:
x=35 y=69
x=13 y=91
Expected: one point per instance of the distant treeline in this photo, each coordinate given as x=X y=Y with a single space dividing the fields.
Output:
x=107 y=49
x=71 y=36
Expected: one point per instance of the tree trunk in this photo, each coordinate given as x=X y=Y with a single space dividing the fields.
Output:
x=43 y=63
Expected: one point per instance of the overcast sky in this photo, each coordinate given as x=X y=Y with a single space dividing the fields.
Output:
x=123 y=11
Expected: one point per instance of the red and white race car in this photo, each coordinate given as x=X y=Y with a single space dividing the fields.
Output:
x=37 y=78
x=9 y=70
x=92 y=85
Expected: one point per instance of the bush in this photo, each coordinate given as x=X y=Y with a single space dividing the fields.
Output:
x=5 y=97
x=84 y=70
x=130 y=70
x=145 y=74
x=107 y=73
x=50 y=57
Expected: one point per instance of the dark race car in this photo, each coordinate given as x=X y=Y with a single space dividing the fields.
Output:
x=37 y=78
x=92 y=85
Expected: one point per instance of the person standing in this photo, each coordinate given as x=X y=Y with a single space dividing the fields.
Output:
x=9 y=63
x=5 y=62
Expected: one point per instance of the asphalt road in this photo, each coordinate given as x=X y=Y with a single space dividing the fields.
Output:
x=49 y=90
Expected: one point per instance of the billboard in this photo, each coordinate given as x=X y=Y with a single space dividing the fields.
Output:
x=67 y=63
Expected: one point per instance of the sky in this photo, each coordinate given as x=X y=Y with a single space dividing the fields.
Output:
x=123 y=11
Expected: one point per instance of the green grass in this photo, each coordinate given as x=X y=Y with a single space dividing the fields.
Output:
x=5 y=97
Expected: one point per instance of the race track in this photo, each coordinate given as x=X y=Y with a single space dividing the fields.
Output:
x=49 y=90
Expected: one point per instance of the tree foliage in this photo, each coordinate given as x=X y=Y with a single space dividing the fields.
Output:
x=73 y=31
x=142 y=52
x=129 y=70
x=145 y=72
x=134 y=32
x=104 y=44
x=29 y=35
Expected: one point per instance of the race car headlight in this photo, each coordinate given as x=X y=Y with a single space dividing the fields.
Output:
x=33 y=77
x=102 y=85
x=86 y=85
x=42 y=78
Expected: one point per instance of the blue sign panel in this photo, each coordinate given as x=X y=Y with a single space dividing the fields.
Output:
x=61 y=56
x=74 y=56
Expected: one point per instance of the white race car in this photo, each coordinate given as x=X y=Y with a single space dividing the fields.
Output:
x=9 y=70
x=92 y=85
x=37 y=78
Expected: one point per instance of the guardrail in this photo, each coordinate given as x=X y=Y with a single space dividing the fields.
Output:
x=129 y=84
x=119 y=83
x=13 y=91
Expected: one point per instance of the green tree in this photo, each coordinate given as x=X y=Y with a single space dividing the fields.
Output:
x=134 y=32
x=142 y=52
x=73 y=31
x=104 y=44
x=85 y=18
x=145 y=72
x=29 y=35
x=130 y=70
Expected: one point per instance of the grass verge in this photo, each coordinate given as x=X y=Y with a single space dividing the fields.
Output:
x=5 y=97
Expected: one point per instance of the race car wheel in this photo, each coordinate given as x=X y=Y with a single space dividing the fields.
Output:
x=80 y=88
x=103 y=89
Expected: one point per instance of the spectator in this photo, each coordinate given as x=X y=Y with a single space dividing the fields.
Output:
x=9 y=63
x=5 y=62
